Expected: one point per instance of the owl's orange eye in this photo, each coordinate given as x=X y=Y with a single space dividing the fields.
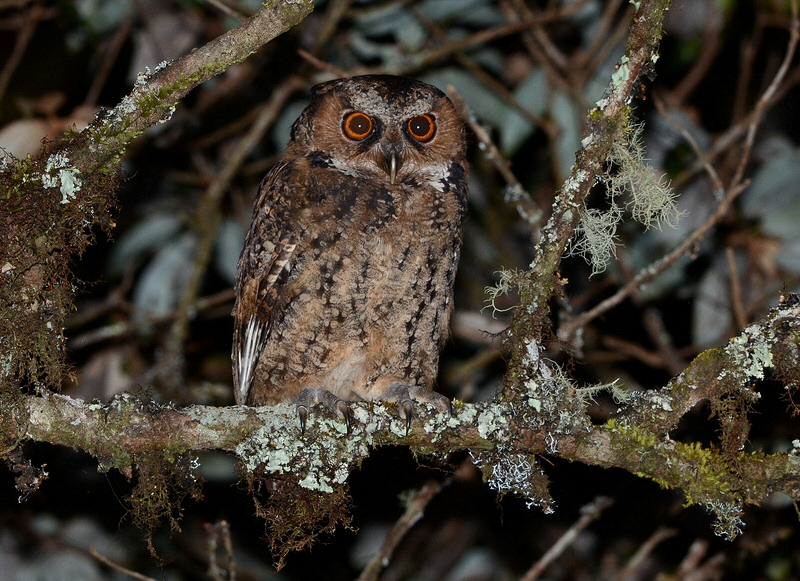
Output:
x=422 y=127
x=357 y=126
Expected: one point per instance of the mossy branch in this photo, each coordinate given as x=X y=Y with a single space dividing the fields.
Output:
x=49 y=205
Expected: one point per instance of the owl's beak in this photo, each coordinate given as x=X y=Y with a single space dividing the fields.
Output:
x=391 y=160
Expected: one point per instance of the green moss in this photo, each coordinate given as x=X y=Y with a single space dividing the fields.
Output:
x=666 y=463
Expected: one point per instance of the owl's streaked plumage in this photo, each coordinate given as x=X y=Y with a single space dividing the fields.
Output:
x=345 y=283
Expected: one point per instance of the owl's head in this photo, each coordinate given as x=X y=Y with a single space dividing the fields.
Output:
x=382 y=127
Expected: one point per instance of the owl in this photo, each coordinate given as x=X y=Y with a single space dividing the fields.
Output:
x=345 y=284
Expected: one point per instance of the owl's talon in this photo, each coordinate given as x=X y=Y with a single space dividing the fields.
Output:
x=311 y=396
x=407 y=412
x=344 y=411
x=302 y=413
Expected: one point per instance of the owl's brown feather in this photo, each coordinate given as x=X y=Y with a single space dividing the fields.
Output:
x=345 y=280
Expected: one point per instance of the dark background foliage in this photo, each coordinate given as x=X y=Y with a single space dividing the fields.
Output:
x=530 y=87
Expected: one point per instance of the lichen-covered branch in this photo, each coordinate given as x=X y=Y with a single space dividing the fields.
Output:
x=268 y=440
x=607 y=124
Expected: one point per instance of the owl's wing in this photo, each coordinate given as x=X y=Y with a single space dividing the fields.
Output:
x=263 y=266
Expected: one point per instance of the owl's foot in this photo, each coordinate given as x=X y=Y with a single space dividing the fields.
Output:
x=310 y=396
x=404 y=395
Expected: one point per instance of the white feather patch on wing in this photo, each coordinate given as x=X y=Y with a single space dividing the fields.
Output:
x=247 y=358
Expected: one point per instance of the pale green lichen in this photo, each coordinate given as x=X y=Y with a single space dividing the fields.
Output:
x=628 y=176
x=516 y=473
x=58 y=173
x=506 y=279
x=573 y=184
x=277 y=448
x=466 y=415
x=489 y=422
x=728 y=523
x=618 y=392
x=651 y=199
x=658 y=400
x=622 y=73
x=751 y=352
x=595 y=238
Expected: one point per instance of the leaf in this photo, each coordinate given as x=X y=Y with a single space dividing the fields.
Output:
x=775 y=185
x=661 y=136
x=789 y=257
x=475 y=12
x=162 y=281
x=531 y=93
x=102 y=17
x=230 y=240
x=151 y=233
x=783 y=222
x=396 y=21
x=712 y=317
x=565 y=114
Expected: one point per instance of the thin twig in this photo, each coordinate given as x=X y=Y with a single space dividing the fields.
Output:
x=591 y=52
x=425 y=59
x=321 y=65
x=333 y=15
x=498 y=88
x=736 y=290
x=765 y=98
x=701 y=156
x=109 y=563
x=227 y=570
x=711 y=45
x=128 y=327
x=653 y=323
x=691 y=561
x=229 y=10
x=23 y=39
x=111 y=52
x=589 y=513
x=660 y=535
x=414 y=511
x=623 y=348
x=555 y=75
x=526 y=207
x=539 y=37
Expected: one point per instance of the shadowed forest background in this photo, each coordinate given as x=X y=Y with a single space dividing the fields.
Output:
x=525 y=74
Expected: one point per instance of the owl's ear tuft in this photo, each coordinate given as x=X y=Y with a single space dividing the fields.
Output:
x=322 y=88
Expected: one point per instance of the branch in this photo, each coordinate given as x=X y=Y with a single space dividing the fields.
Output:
x=268 y=439
x=608 y=122
x=155 y=95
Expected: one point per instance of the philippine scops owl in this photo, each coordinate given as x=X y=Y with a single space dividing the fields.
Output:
x=345 y=283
